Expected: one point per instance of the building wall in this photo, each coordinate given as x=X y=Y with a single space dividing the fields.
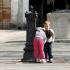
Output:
x=5 y=10
x=14 y=9
x=18 y=9
x=5 y=13
x=61 y=24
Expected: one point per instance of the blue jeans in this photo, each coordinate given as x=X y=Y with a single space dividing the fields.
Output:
x=48 y=50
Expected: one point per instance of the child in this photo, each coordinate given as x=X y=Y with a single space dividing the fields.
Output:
x=50 y=39
x=39 y=41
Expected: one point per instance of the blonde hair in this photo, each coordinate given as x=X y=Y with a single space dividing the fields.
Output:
x=47 y=22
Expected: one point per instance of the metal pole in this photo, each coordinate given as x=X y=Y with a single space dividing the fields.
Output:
x=31 y=17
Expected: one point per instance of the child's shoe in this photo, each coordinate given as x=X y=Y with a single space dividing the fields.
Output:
x=38 y=60
x=42 y=61
x=50 y=60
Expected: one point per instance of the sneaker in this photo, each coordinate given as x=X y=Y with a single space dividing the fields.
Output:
x=50 y=60
x=38 y=60
x=47 y=60
x=42 y=61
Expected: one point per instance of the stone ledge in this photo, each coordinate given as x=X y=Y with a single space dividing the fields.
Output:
x=62 y=40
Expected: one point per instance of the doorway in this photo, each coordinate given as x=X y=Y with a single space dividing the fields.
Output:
x=38 y=6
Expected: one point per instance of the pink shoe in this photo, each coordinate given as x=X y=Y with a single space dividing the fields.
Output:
x=38 y=60
x=42 y=61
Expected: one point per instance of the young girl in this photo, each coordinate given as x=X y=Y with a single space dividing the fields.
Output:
x=39 y=41
x=50 y=39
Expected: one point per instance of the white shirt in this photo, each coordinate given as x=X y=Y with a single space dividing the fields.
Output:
x=40 y=33
x=52 y=38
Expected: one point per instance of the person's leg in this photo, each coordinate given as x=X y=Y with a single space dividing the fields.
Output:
x=45 y=50
x=41 y=49
x=49 y=51
x=35 y=43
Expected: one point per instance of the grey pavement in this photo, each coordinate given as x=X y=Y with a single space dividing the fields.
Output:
x=32 y=66
x=12 y=43
x=12 y=35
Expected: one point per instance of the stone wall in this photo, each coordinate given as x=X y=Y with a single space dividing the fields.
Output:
x=14 y=10
x=18 y=9
x=61 y=24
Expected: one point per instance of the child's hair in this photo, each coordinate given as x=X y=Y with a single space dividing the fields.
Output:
x=49 y=34
x=46 y=22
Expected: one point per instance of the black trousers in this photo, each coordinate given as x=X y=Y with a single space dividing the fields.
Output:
x=48 y=50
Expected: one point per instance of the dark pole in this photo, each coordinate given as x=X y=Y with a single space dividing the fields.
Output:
x=31 y=17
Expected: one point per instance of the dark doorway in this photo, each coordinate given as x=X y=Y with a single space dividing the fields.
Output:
x=60 y=4
x=45 y=6
x=38 y=6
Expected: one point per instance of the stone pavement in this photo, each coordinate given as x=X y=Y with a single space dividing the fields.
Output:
x=32 y=66
x=12 y=35
x=12 y=43
x=14 y=51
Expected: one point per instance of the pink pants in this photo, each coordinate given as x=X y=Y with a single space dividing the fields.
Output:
x=38 y=48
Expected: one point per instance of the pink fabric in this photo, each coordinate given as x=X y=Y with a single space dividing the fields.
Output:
x=38 y=48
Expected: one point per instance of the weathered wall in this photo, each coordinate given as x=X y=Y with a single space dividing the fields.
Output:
x=18 y=9
x=60 y=24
